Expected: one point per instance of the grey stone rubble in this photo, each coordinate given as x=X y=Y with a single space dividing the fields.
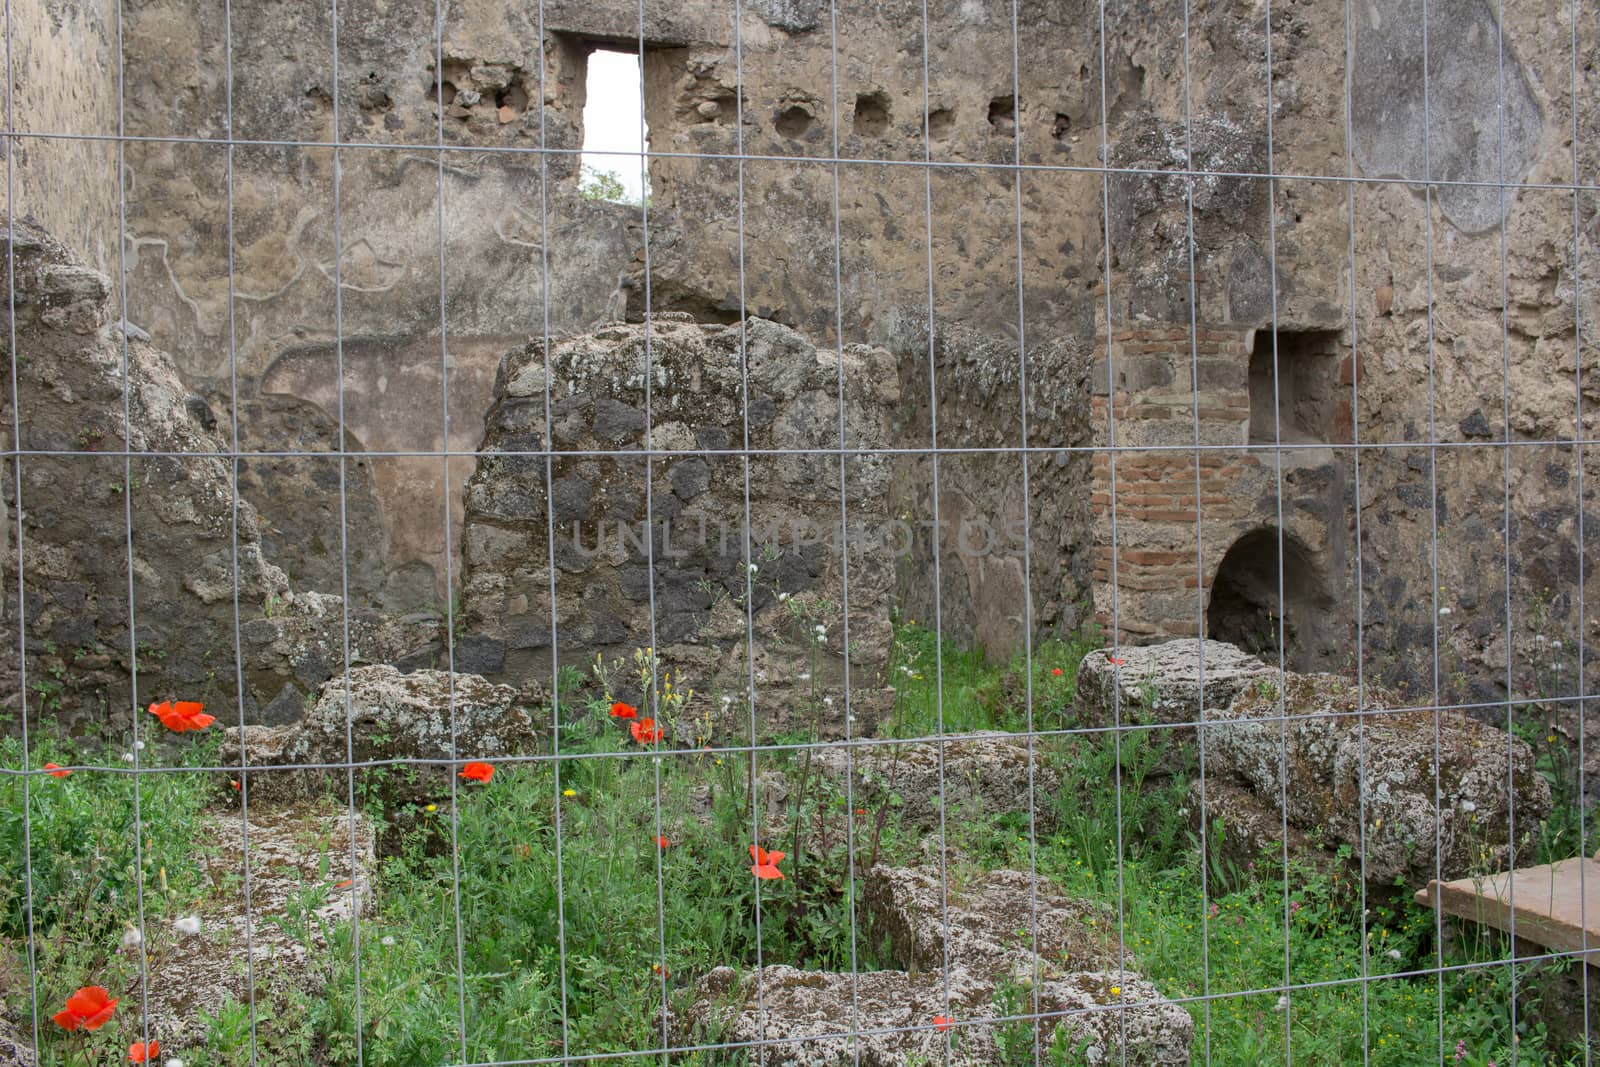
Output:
x=1070 y=961
x=1354 y=772
x=985 y=772
x=386 y=716
x=300 y=853
x=1164 y=683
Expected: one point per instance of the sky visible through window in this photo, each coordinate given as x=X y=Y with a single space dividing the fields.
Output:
x=612 y=118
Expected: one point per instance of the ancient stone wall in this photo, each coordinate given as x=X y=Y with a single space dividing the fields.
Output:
x=1010 y=541
x=62 y=174
x=1169 y=518
x=1428 y=308
x=652 y=553
x=84 y=519
x=505 y=208
x=1458 y=325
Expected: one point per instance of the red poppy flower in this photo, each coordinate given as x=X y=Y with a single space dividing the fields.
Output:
x=861 y=811
x=235 y=786
x=1058 y=672
x=942 y=1023
x=1115 y=661
x=662 y=971
x=646 y=732
x=766 y=865
x=180 y=716
x=619 y=710
x=139 y=1052
x=662 y=842
x=89 y=1008
x=56 y=770
x=346 y=884
x=478 y=772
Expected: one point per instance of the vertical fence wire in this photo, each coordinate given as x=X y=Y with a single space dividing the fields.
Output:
x=233 y=530
x=16 y=504
x=1577 y=448
x=851 y=891
x=127 y=514
x=1360 y=575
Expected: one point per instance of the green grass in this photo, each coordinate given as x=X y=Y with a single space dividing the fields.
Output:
x=561 y=884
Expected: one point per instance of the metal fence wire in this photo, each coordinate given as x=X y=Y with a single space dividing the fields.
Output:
x=1044 y=533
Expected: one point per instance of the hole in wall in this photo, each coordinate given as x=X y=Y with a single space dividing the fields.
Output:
x=615 y=136
x=940 y=122
x=872 y=115
x=1301 y=408
x=793 y=121
x=1244 y=605
x=514 y=97
x=1003 y=114
x=1061 y=129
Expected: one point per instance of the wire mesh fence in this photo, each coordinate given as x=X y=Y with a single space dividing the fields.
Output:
x=1031 y=533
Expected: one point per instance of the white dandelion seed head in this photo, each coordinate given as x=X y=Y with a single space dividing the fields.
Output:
x=1468 y=806
x=1394 y=954
x=1283 y=1003
x=754 y=568
x=132 y=938
x=189 y=924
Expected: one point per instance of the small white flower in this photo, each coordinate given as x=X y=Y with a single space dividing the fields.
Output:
x=127 y=757
x=132 y=938
x=174 y=1062
x=783 y=598
x=821 y=629
x=754 y=568
x=388 y=941
x=1394 y=954
x=804 y=676
x=1444 y=611
x=139 y=745
x=1468 y=806
x=1555 y=644
x=189 y=924
x=1283 y=1003
x=828 y=701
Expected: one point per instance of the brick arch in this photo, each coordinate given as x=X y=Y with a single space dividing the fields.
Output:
x=1243 y=606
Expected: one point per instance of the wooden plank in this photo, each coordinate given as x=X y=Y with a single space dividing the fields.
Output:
x=1552 y=902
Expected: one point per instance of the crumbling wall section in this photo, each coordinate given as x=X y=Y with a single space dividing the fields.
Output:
x=649 y=516
x=85 y=516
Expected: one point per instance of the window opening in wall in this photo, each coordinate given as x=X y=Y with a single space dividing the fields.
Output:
x=1308 y=370
x=615 y=136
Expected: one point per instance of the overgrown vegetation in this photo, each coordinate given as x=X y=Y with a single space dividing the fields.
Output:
x=553 y=945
